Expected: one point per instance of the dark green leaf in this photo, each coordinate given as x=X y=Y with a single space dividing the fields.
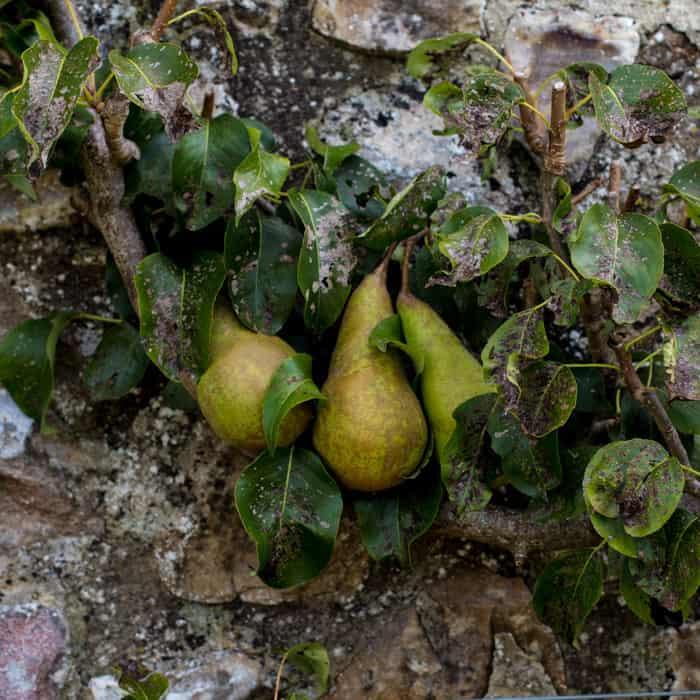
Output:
x=153 y=687
x=118 y=364
x=261 y=259
x=332 y=156
x=259 y=174
x=159 y=285
x=291 y=385
x=567 y=590
x=638 y=103
x=388 y=333
x=357 y=182
x=682 y=359
x=203 y=165
x=267 y=136
x=291 y=508
x=391 y=521
x=686 y=184
x=177 y=397
x=474 y=240
x=429 y=57
x=155 y=77
x=561 y=219
x=312 y=659
x=612 y=530
x=636 y=481
x=639 y=602
x=461 y=475
x=151 y=174
x=202 y=283
x=326 y=260
x=51 y=85
x=685 y=415
x=565 y=302
x=623 y=251
x=408 y=212
x=681 y=279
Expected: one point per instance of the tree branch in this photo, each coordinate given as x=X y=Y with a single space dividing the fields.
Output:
x=532 y=125
x=614 y=186
x=591 y=187
x=167 y=9
x=555 y=158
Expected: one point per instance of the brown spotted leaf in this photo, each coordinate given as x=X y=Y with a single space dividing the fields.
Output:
x=682 y=359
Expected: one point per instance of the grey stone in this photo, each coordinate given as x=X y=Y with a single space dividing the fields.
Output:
x=392 y=26
x=15 y=427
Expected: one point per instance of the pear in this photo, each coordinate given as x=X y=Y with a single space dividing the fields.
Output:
x=451 y=374
x=232 y=390
x=370 y=430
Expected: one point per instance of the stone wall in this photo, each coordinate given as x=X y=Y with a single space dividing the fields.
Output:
x=119 y=541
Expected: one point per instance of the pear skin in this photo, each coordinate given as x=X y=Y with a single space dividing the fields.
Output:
x=451 y=374
x=370 y=430
x=232 y=390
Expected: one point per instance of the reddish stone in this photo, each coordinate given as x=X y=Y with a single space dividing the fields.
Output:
x=33 y=642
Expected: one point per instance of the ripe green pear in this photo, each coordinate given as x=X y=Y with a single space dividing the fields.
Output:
x=370 y=430
x=232 y=390
x=451 y=374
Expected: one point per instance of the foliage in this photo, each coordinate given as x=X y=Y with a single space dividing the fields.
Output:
x=219 y=208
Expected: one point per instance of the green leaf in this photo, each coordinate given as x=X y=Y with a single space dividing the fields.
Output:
x=155 y=77
x=480 y=112
x=332 y=156
x=461 y=475
x=682 y=358
x=531 y=466
x=408 y=212
x=51 y=85
x=686 y=184
x=151 y=174
x=623 y=251
x=565 y=302
x=494 y=291
x=388 y=333
x=8 y=122
x=118 y=364
x=638 y=103
x=546 y=398
x=685 y=415
x=259 y=174
x=391 y=521
x=203 y=165
x=291 y=385
x=357 y=182
x=153 y=687
x=291 y=508
x=612 y=530
x=474 y=240
x=27 y=355
x=639 y=602
x=326 y=260
x=681 y=279
x=636 y=481
x=312 y=659
x=428 y=59
x=261 y=256
x=201 y=285
x=567 y=590
x=214 y=19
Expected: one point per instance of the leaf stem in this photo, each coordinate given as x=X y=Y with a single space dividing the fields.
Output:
x=690 y=470
x=497 y=54
x=566 y=266
x=591 y=187
x=602 y=365
x=104 y=86
x=161 y=21
x=641 y=336
x=570 y=112
x=537 y=112
x=278 y=680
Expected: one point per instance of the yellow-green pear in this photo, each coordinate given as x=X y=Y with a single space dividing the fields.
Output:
x=232 y=390
x=451 y=374
x=370 y=430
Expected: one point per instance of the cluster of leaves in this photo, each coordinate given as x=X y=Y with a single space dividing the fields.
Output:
x=196 y=192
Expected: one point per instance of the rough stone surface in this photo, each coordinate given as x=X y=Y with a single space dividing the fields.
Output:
x=392 y=26
x=33 y=642
x=14 y=427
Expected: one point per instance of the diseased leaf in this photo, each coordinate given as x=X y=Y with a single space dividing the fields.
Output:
x=312 y=659
x=291 y=508
x=685 y=183
x=326 y=259
x=681 y=278
x=151 y=686
x=650 y=549
x=391 y=521
x=118 y=364
x=259 y=174
x=546 y=398
x=388 y=333
x=623 y=251
x=357 y=183
x=565 y=302
x=567 y=590
x=682 y=359
x=291 y=385
x=408 y=212
x=332 y=156
x=431 y=57
x=685 y=415
x=203 y=166
x=636 y=481
x=638 y=103
x=463 y=480
x=52 y=82
x=474 y=240
x=261 y=256
x=155 y=77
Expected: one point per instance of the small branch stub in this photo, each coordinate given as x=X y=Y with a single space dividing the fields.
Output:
x=555 y=158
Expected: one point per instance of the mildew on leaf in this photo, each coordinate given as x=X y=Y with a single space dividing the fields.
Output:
x=682 y=359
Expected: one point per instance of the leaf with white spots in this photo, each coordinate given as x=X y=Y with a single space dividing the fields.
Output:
x=682 y=359
x=685 y=183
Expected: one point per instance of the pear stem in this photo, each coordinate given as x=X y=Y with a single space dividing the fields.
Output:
x=383 y=267
x=409 y=245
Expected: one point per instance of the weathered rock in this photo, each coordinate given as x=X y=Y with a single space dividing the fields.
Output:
x=392 y=26
x=14 y=427
x=685 y=657
x=538 y=43
x=33 y=643
x=515 y=673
